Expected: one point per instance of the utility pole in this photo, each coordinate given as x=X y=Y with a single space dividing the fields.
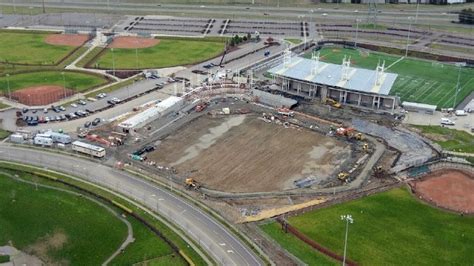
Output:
x=357 y=31
x=459 y=65
x=8 y=87
x=44 y=9
x=348 y=219
x=64 y=85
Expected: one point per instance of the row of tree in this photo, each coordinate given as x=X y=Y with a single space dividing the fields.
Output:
x=466 y=16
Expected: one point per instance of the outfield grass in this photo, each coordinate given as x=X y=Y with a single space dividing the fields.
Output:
x=418 y=80
x=29 y=216
x=392 y=228
x=295 y=246
x=30 y=48
x=449 y=139
x=169 y=52
x=78 y=81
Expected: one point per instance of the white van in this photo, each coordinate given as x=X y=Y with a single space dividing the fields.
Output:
x=447 y=121
x=460 y=113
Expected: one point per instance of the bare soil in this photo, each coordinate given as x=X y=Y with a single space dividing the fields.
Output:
x=41 y=95
x=244 y=154
x=49 y=242
x=73 y=40
x=133 y=42
x=450 y=189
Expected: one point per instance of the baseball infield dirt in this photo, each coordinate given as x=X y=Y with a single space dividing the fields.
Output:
x=133 y=42
x=244 y=154
x=41 y=95
x=450 y=189
x=67 y=39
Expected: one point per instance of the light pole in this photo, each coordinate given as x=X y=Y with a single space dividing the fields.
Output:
x=348 y=219
x=417 y=7
x=408 y=36
x=459 y=65
x=8 y=87
x=64 y=85
x=357 y=31
x=113 y=60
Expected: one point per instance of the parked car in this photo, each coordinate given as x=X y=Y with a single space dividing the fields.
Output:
x=45 y=110
x=74 y=105
x=149 y=148
x=34 y=111
x=82 y=102
x=101 y=95
x=89 y=111
x=62 y=108
x=58 y=118
x=96 y=122
x=111 y=102
x=116 y=100
x=24 y=110
x=87 y=124
x=447 y=122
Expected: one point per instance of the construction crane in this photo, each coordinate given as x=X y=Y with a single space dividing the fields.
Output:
x=192 y=184
x=222 y=58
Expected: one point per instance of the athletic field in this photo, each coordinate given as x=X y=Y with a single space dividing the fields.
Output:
x=30 y=48
x=390 y=228
x=168 y=52
x=418 y=80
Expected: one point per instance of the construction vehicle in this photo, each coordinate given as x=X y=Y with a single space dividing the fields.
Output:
x=285 y=111
x=359 y=136
x=333 y=103
x=343 y=176
x=192 y=184
x=345 y=131
x=365 y=147
x=200 y=107
x=379 y=172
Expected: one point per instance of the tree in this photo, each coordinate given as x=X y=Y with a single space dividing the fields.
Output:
x=466 y=16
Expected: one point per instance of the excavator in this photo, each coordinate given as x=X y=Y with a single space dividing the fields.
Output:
x=333 y=103
x=343 y=176
x=350 y=133
x=192 y=184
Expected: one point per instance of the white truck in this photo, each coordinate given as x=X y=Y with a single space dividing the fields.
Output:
x=447 y=122
x=460 y=113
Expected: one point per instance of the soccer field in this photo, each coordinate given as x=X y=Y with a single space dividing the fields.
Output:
x=169 y=52
x=30 y=48
x=418 y=80
x=391 y=228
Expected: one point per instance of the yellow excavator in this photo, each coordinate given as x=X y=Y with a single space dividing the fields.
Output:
x=366 y=147
x=192 y=184
x=333 y=103
x=343 y=176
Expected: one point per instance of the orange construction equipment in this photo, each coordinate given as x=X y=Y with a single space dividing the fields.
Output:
x=99 y=139
x=345 y=131
x=285 y=111
x=192 y=184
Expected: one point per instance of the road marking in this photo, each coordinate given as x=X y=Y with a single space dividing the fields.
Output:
x=230 y=251
x=222 y=244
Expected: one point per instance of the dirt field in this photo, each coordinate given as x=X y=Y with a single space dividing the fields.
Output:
x=67 y=39
x=40 y=95
x=450 y=189
x=133 y=42
x=245 y=154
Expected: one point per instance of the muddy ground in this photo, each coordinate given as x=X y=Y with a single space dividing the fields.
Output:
x=245 y=154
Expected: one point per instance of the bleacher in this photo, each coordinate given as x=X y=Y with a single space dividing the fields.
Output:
x=418 y=171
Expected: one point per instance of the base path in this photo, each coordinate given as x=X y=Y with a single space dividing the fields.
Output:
x=133 y=42
x=450 y=189
x=74 y=40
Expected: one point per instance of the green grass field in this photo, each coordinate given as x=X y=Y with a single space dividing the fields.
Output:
x=30 y=48
x=418 y=80
x=77 y=81
x=169 y=52
x=449 y=139
x=31 y=219
x=392 y=228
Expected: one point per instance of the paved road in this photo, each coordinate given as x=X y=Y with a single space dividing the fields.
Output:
x=222 y=245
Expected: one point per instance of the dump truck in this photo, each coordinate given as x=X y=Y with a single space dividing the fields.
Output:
x=333 y=103
x=192 y=184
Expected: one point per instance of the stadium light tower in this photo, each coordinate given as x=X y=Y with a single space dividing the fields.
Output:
x=459 y=65
x=357 y=31
x=348 y=219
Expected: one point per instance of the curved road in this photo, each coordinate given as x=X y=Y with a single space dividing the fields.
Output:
x=215 y=239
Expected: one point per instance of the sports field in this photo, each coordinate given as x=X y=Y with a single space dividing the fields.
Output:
x=391 y=228
x=418 y=80
x=168 y=52
x=77 y=81
x=30 y=48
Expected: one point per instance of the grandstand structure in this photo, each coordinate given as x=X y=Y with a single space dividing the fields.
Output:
x=313 y=79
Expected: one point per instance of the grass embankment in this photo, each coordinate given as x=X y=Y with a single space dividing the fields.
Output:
x=3 y=133
x=391 y=228
x=77 y=81
x=449 y=139
x=30 y=48
x=169 y=52
x=56 y=226
x=166 y=231
x=114 y=86
x=418 y=80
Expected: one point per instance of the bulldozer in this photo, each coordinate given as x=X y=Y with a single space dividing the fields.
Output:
x=343 y=176
x=192 y=184
x=333 y=103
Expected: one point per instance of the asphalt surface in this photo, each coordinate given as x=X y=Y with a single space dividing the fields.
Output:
x=214 y=238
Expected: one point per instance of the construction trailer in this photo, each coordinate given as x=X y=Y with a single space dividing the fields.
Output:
x=59 y=137
x=17 y=138
x=419 y=107
x=43 y=140
x=89 y=149
x=344 y=84
x=161 y=109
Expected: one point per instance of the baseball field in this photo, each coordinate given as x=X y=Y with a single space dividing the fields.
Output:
x=165 y=52
x=36 y=48
x=418 y=80
x=390 y=228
